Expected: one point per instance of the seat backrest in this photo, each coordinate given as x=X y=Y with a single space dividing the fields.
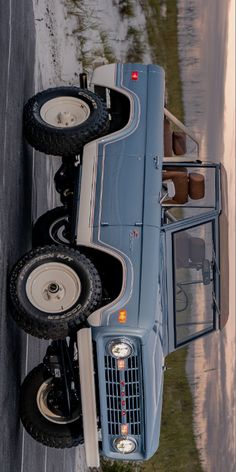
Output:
x=174 y=141
x=179 y=143
x=180 y=180
x=186 y=185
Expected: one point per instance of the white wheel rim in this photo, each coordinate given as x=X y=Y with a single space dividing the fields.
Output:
x=42 y=403
x=65 y=112
x=53 y=287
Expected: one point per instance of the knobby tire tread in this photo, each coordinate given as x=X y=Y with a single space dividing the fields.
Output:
x=29 y=419
x=59 y=142
x=51 y=329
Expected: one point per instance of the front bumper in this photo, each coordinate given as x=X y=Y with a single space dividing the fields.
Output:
x=88 y=399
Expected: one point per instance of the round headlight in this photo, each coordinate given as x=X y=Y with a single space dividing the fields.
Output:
x=125 y=445
x=120 y=348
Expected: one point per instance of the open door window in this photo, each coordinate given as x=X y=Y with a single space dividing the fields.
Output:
x=192 y=281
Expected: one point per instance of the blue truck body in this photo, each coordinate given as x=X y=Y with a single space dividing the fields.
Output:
x=125 y=272
x=127 y=221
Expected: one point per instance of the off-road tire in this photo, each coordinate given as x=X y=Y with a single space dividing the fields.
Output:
x=64 y=141
x=47 y=229
x=53 y=325
x=44 y=431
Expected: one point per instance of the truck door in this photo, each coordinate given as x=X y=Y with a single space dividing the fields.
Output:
x=192 y=279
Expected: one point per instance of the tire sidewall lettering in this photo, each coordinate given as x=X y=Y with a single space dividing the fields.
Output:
x=59 y=316
x=65 y=141
x=61 y=324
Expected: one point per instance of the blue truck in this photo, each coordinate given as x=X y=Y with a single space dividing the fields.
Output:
x=125 y=271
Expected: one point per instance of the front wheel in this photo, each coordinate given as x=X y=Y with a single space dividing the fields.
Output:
x=60 y=121
x=42 y=411
x=53 y=290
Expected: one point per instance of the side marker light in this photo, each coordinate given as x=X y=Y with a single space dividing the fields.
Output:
x=122 y=316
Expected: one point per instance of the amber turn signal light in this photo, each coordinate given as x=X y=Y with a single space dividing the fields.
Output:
x=122 y=316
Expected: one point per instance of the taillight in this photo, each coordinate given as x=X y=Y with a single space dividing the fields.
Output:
x=134 y=75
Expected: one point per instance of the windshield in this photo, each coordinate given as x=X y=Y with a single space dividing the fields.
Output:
x=193 y=282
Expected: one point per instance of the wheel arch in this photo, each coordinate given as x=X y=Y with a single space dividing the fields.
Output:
x=109 y=268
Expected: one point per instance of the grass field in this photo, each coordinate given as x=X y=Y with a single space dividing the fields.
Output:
x=177 y=451
x=162 y=38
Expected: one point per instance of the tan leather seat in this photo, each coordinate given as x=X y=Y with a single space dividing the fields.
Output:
x=187 y=185
x=174 y=141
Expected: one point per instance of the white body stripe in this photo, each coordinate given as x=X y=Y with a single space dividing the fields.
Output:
x=105 y=76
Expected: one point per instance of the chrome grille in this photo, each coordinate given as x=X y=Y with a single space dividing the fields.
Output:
x=128 y=382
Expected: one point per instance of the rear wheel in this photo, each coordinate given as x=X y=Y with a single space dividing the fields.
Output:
x=52 y=228
x=43 y=413
x=53 y=290
x=60 y=121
